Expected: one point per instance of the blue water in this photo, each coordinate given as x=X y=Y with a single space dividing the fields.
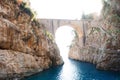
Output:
x=75 y=70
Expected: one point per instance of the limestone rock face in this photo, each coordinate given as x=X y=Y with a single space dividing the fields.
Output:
x=24 y=45
x=110 y=62
x=100 y=48
x=104 y=60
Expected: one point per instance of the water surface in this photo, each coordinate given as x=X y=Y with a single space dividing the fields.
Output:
x=75 y=70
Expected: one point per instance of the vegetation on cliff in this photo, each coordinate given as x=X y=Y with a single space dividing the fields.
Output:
x=111 y=12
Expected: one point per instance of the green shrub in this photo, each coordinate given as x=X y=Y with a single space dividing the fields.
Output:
x=25 y=7
x=49 y=35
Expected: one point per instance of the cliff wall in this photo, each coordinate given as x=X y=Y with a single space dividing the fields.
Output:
x=26 y=47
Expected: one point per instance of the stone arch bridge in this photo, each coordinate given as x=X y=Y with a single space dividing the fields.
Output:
x=81 y=26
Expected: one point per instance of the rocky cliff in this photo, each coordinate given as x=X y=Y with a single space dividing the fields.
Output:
x=101 y=39
x=25 y=46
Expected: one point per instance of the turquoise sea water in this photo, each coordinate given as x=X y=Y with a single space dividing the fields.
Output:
x=75 y=70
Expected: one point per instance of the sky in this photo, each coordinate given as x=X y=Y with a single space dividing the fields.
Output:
x=67 y=33
x=63 y=37
x=65 y=9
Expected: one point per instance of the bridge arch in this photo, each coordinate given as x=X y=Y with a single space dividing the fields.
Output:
x=77 y=31
x=75 y=27
x=53 y=24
